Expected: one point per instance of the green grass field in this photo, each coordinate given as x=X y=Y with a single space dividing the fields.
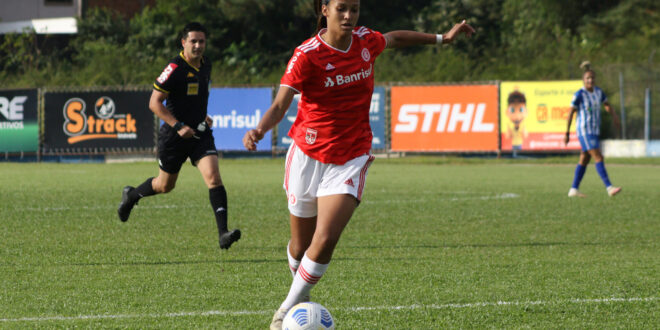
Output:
x=435 y=244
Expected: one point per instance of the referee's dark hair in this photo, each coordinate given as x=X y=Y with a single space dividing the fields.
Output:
x=193 y=26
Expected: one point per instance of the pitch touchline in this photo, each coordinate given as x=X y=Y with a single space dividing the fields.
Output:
x=351 y=309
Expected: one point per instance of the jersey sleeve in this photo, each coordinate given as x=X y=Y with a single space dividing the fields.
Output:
x=295 y=71
x=165 y=82
x=375 y=40
x=603 y=97
x=577 y=99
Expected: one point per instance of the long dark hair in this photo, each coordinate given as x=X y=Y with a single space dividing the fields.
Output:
x=321 y=21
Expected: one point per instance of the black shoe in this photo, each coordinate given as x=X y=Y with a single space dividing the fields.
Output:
x=126 y=204
x=228 y=238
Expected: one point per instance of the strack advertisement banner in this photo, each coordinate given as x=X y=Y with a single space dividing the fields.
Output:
x=444 y=118
x=376 y=120
x=235 y=111
x=19 y=126
x=103 y=121
x=534 y=115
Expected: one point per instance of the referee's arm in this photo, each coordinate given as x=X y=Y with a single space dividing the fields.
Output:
x=156 y=105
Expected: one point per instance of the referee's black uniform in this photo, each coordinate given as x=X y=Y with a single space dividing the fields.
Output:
x=187 y=100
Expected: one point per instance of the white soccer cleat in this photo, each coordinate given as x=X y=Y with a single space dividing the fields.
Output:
x=278 y=318
x=612 y=190
x=575 y=193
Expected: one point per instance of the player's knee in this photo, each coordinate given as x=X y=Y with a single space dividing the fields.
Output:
x=164 y=187
x=297 y=249
x=325 y=243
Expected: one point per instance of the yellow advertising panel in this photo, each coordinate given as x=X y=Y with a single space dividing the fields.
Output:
x=534 y=114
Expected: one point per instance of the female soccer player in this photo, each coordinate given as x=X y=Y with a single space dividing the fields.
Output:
x=587 y=103
x=326 y=165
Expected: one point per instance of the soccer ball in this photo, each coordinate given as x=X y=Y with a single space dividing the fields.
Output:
x=308 y=315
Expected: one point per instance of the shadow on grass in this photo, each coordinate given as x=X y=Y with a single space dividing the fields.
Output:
x=284 y=260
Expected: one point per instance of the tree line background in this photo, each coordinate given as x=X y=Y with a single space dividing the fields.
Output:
x=251 y=40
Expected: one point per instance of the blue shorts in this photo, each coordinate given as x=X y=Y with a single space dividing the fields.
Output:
x=589 y=142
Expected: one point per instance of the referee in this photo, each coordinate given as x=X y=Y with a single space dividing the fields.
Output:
x=187 y=131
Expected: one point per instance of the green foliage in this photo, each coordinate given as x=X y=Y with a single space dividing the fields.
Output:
x=251 y=40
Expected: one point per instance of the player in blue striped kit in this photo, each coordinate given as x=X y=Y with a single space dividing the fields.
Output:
x=587 y=103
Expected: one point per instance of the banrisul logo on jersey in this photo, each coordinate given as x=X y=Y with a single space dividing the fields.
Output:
x=339 y=79
x=99 y=120
x=19 y=129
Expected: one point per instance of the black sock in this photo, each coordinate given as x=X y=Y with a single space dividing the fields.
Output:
x=218 y=198
x=143 y=190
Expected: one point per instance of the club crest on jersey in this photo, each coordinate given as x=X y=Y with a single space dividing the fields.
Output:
x=366 y=56
x=310 y=136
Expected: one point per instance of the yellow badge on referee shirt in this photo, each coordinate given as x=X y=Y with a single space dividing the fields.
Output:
x=193 y=88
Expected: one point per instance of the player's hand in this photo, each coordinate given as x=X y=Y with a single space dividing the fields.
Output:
x=186 y=132
x=209 y=121
x=617 y=123
x=459 y=28
x=566 y=138
x=251 y=138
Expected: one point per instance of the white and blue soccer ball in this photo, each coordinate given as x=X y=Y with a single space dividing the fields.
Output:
x=306 y=316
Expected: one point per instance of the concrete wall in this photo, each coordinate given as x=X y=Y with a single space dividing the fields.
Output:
x=23 y=10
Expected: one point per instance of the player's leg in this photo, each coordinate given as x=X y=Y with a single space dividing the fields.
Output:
x=339 y=191
x=172 y=153
x=602 y=172
x=580 y=169
x=208 y=167
x=334 y=212
x=302 y=231
x=130 y=196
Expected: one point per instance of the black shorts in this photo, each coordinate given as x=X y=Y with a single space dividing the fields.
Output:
x=173 y=150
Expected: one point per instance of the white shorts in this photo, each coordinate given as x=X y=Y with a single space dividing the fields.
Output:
x=306 y=179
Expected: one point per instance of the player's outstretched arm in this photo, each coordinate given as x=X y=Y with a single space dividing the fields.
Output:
x=400 y=39
x=273 y=116
x=567 y=137
x=615 y=118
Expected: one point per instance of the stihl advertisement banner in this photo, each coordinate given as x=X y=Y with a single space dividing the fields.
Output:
x=534 y=115
x=445 y=118
x=102 y=121
x=19 y=127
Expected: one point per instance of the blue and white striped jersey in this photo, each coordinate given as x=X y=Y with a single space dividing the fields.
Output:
x=588 y=115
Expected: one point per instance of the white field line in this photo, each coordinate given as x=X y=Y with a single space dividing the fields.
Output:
x=105 y=207
x=350 y=309
x=451 y=199
x=108 y=207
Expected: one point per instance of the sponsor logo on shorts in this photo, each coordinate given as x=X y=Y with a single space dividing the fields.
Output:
x=350 y=182
x=310 y=136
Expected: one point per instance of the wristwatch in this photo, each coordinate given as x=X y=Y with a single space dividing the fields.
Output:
x=178 y=126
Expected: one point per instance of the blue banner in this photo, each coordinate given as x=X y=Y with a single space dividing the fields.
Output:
x=235 y=111
x=376 y=120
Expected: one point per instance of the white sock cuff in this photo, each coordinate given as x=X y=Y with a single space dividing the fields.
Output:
x=293 y=263
x=313 y=268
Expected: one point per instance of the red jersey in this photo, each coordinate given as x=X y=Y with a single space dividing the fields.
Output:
x=332 y=125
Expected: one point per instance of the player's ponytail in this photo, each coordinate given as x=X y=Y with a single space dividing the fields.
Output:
x=586 y=67
x=321 y=22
